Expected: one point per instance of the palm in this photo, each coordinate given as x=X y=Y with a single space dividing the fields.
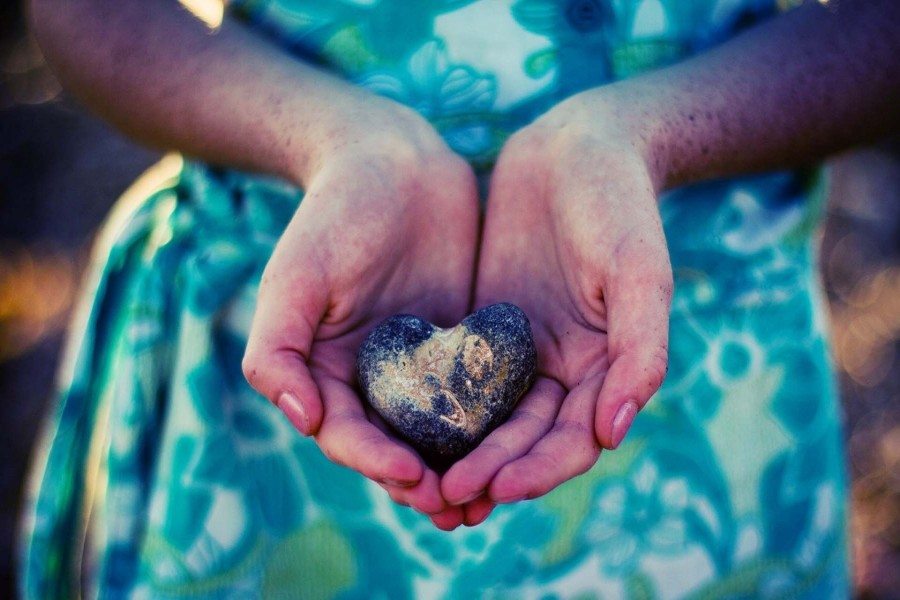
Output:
x=370 y=240
x=570 y=334
x=574 y=239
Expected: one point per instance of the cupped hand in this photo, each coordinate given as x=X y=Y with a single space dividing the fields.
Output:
x=388 y=224
x=573 y=236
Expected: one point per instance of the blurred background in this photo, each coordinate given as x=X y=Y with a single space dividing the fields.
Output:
x=61 y=169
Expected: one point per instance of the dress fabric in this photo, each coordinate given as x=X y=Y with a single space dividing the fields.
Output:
x=163 y=475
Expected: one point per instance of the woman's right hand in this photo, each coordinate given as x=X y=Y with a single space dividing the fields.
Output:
x=388 y=225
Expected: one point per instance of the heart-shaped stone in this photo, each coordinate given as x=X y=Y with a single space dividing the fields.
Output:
x=444 y=390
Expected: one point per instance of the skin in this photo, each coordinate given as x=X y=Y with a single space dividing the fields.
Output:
x=572 y=233
x=372 y=238
x=598 y=289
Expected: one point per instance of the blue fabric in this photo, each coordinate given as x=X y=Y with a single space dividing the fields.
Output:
x=166 y=476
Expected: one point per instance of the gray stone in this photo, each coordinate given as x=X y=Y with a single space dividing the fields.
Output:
x=444 y=390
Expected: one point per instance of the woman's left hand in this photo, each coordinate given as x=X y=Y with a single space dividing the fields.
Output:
x=573 y=236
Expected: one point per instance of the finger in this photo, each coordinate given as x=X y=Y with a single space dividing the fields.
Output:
x=275 y=360
x=532 y=418
x=449 y=519
x=283 y=377
x=425 y=497
x=638 y=303
x=569 y=449
x=477 y=511
x=348 y=438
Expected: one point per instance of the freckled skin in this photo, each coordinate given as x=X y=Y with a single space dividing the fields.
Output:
x=725 y=111
x=571 y=234
x=490 y=364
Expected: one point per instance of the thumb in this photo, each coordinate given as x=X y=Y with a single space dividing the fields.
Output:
x=282 y=376
x=638 y=303
x=276 y=358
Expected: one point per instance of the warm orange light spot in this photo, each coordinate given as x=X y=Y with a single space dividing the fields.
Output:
x=867 y=327
x=37 y=287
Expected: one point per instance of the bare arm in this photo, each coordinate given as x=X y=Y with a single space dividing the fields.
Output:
x=227 y=96
x=817 y=80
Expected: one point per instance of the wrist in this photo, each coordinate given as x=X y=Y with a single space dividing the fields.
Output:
x=609 y=121
x=351 y=125
x=630 y=117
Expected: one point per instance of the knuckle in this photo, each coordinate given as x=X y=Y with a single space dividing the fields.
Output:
x=575 y=430
x=582 y=446
x=496 y=448
x=528 y=420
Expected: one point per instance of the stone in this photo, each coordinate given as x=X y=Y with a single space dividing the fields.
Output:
x=444 y=390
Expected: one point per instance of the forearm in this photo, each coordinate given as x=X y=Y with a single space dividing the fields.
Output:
x=791 y=91
x=159 y=74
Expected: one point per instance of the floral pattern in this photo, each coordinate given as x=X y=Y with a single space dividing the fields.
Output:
x=165 y=476
x=643 y=514
x=448 y=95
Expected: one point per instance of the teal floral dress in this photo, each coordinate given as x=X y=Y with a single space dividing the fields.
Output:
x=163 y=475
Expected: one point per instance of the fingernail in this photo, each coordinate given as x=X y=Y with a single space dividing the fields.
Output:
x=293 y=409
x=622 y=423
x=397 y=483
x=467 y=499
